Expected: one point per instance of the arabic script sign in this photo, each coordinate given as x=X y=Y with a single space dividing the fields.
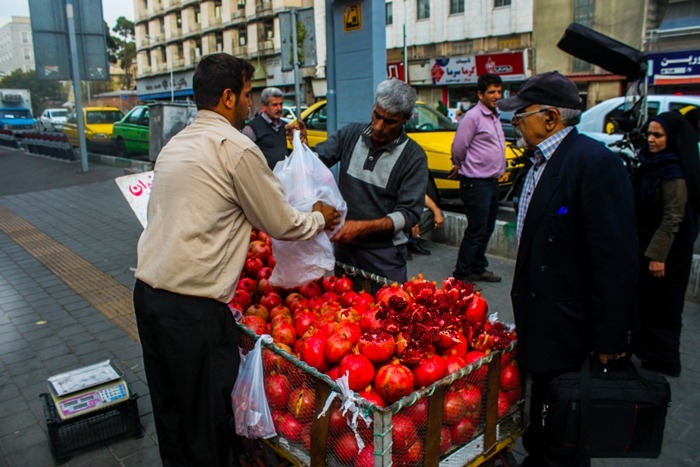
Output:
x=675 y=67
x=136 y=188
x=510 y=66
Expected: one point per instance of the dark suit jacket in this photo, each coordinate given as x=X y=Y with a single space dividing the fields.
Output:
x=574 y=286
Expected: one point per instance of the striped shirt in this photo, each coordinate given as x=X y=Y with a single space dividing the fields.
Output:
x=542 y=154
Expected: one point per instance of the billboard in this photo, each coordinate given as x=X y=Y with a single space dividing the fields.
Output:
x=675 y=67
x=510 y=66
x=52 y=51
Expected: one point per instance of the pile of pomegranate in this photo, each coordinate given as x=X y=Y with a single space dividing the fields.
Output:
x=399 y=340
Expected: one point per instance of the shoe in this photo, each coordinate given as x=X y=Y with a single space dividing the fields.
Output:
x=668 y=370
x=416 y=248
x=486 y=276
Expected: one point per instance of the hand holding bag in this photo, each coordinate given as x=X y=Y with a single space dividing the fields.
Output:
x=606 y=411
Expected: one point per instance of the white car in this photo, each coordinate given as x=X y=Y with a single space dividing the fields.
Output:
x=53 y=119
x=289 y=112
x=606 y=121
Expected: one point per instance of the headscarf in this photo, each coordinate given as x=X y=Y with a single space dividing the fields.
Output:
x=681 y=144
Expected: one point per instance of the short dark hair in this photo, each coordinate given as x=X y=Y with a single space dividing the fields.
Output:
x=216 y=73
x=487 y=80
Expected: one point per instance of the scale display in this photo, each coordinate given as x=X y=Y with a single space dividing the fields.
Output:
x=87 y=389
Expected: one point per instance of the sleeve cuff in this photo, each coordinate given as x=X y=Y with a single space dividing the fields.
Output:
x=398 y=219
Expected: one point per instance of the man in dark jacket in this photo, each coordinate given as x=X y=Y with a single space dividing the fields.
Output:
x=267 y=128
x=574 y=285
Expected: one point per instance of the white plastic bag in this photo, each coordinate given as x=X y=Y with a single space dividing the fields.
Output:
x=305 y=180
x=250 y=408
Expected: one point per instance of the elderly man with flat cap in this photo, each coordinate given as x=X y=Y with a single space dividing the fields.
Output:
x=574 y=285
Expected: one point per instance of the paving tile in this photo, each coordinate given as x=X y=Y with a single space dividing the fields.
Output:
x=24 y=441
x=21 y=355
x=13 y=422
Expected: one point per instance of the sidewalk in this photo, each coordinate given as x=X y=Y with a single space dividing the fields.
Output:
x=67 y=249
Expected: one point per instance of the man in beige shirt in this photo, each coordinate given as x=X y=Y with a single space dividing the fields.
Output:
x=211 y=186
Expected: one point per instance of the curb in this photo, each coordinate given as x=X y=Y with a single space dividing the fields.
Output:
x=129 y=165
x=503 y=243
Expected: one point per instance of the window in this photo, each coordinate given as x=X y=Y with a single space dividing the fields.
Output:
x=423 y=9
x=456 y=6
x=389 y=13
x=499 y=3
x=25 y=37
x=583 y=15
x=27 y=54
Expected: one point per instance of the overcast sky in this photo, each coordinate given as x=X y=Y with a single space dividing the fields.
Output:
x=112 y=9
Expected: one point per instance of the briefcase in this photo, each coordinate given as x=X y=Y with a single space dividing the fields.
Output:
x=605 y=411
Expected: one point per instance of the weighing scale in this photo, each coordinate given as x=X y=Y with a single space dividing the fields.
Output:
x=87 y=389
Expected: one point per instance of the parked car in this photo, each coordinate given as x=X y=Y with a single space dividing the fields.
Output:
x=609 y=120
x=53 y=119
x=434 y=133
x=131 y=134
x=289 y=112
x=98 y=127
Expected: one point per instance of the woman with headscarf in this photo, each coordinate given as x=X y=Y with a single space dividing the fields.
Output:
x=667 y=204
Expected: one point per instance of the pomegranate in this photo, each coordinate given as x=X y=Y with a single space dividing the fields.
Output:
x=372 y=397
x=477 y=309
x=277 y=391
x=363 y=300
x=510 y=377
x=310 y=290
x=343 y=284
x=454 y=408
x=377 y=345
x=445 y=439
x=270 y=300
x=347 y=298
x=281 y=310
x=302 y=320
x=393 y=381
x=471 y=357
x=404 y=432
x=328 y=283
x=302 y=404
x=459 y=347
x=472 y=398
x=351 y=330
x=365 y=458
x=247 y=284
x=255 y=324
x=463 y=430
x=311 y=352
x=264 y=273
x=345 y=448
x=258 y=249
x=413 y=456
x=241 y=298
x=418 y=411
x=288 y=427
x=360 y=371
x=454 y=363
x=284 y=333
x=430 y=369
x=503 y=404
x=258 y=310
x=274 y=363
x=336 y=347
x=368 y=319
x=252 y=266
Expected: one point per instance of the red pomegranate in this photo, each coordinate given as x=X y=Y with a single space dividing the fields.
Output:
x=430 y=369
x=284 y=333
x=454 y=363
x=351 y=330
x=288 y=426
x=378 y=345
x=277 y=391
x=336 y=347
x=302 y=404
x=359 y=369
x=454 y=407
x=445 y=439
x=345 y=448
x=311 y=352
x=393 y=381
x=404 y=432
x=510 y=377
x=463 y=430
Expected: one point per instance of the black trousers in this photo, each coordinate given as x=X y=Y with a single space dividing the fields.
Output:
x=386 y=262
x=190 y=354
x=480 y=199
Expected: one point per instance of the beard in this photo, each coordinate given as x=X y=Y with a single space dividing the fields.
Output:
x=519 y=140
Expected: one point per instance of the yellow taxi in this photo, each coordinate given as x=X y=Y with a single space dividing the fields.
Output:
x=434 y=133
x=98 y=122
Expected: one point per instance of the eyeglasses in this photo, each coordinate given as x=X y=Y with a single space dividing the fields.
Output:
x=518 y=116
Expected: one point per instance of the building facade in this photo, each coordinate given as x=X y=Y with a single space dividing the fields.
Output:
x=16 y=47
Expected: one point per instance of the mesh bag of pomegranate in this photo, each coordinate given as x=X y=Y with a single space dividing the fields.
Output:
x=379 y=376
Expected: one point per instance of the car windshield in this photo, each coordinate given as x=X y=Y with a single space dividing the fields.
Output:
x=103 y=116
x=58 y=113
x=16 y=114
x=426 y=119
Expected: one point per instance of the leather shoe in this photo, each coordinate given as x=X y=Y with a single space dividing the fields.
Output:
x=486 y=276
x=416 y=248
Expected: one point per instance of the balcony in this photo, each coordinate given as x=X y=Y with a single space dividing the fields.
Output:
x=237 y=16
x=178 y=63
x=214 y=23
x=157 y=40
x=263 y=9
x=172 y=5
x=240 y=51
x=144 y=70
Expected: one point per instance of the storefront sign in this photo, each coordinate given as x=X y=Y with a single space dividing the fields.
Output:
x=136 y=188
x=453 y=70
x=510 y=66
x=675 y=67
x=394 y=70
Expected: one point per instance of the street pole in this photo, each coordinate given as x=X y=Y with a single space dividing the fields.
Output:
x=295 y=55
x=76 y=85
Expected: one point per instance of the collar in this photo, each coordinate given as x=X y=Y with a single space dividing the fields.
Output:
x=486 y=111
x=547 y=147
x=367 y=137
x=270 y=122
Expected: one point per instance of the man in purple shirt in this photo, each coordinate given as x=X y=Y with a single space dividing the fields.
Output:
x=478 y=159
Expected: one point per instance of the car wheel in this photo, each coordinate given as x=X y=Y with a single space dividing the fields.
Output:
x=121 y=148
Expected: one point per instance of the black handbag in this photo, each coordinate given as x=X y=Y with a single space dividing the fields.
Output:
x=606 y=411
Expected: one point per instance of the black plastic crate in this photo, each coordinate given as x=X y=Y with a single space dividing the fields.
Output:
x=97 y=428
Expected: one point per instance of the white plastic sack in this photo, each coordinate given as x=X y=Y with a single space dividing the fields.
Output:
x=305 y=180
x=250 y=408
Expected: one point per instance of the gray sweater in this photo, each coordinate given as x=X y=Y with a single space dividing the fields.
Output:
x=388 y=181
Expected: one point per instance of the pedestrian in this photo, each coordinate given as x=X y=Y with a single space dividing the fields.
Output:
x=211 y=185
x=667 y=206
x=267 y=128
x=442 y=108
x=382 y=177
x=575 y=279
x=431 y=219
x=479 y=160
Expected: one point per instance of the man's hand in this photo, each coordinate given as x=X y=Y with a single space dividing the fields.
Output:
x=330 y=214
x=349 y=232
x=290 y=127
x=604 y=358
x=454 y=173
x=657 y=269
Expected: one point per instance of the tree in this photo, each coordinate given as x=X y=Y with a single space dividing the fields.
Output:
x=45 y=93
x=125 y=49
